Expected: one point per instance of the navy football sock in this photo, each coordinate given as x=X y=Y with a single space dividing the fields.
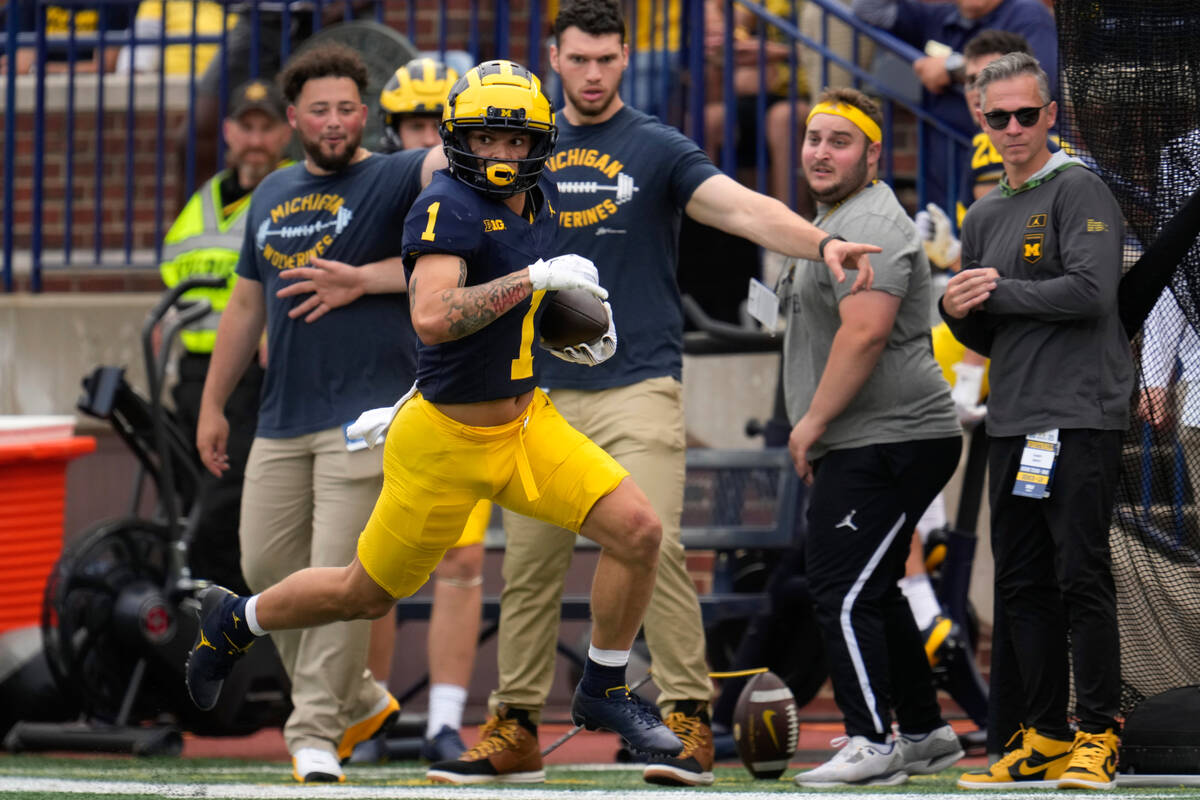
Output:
x=598 y=679
x=233 y=622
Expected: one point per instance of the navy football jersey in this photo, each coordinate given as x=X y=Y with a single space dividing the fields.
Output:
x=452 y=218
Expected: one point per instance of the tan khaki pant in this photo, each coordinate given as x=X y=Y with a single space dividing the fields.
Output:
x=303 y=505
x=641 y=426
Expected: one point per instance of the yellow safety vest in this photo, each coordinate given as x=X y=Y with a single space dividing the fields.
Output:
x=203 y=241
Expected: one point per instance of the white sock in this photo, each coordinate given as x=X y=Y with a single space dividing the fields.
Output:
x=446 y=702
x=608 y=658
x=924 y=603
x=252 y=616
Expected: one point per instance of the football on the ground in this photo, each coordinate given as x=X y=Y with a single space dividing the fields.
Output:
x=571 y=317
x=766 y=727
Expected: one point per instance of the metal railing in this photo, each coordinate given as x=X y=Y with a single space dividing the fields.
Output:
x=957 y=141
x=99 y=205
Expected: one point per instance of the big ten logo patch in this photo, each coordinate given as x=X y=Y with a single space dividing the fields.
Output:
x=490 y=225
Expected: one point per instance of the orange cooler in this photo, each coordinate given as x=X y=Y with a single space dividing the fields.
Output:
x=33 y=488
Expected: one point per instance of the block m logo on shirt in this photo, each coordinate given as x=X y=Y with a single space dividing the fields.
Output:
x=1032 y=248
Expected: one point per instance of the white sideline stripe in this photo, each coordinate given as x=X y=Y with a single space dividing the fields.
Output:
x=373 y=772
x=238 y=791
x=770 y=695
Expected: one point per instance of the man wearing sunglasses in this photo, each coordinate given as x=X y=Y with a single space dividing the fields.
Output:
x=941 y=29
x=1039 y=297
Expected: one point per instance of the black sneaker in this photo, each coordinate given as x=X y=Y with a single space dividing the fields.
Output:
x=693 y=766
x=223 y=638
x=445 y=745
x=620 y=713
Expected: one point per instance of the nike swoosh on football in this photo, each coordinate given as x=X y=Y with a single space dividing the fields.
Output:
x=767 y=715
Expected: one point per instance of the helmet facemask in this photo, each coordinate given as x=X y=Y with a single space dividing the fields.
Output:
x=498 y=95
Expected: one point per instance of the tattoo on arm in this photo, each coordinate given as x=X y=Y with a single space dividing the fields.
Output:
x=473 y=307
x=412 y=294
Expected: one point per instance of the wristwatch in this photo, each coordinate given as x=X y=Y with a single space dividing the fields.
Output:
x=956 y=65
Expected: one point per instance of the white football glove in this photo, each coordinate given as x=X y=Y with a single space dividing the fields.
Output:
x=566 y=272
x=937 y=236
x=968 y=383
x=594 y=352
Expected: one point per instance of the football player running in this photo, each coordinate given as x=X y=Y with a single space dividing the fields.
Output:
x=475 y=426
x=410 y=106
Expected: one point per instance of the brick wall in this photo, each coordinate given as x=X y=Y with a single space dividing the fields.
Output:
x=113 y=210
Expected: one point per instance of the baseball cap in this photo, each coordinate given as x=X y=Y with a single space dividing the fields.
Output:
x=258 y=95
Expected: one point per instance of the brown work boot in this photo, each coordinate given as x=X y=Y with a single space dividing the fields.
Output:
x=507 y=753
x=693 y=766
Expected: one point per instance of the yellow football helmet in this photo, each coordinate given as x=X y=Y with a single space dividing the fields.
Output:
x=418 y=87
x=498 y=94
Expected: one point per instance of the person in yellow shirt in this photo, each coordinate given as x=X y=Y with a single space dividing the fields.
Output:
x=173 y=18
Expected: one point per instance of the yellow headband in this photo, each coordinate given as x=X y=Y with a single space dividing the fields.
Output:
x=852 y=113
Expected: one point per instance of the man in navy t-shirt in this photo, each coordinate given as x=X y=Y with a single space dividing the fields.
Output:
x=308 y=490
x=624 y=182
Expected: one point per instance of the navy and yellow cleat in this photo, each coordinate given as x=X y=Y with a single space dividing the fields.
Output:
x=223 y=638
x=1093 y=763
x=621 y=713
x=1037 y=764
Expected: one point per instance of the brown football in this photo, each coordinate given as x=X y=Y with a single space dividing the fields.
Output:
x=571 y=317
x=766 y=727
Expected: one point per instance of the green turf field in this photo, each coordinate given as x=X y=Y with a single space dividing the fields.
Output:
x=31 y=777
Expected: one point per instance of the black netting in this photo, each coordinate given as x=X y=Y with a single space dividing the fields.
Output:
x=1131 y=108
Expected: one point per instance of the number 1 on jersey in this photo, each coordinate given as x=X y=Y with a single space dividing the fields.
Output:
x=522 y=365
x=427 y=235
